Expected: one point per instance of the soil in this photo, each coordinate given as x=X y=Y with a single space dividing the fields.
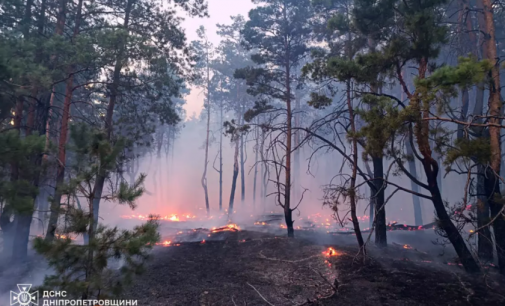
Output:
x=255 y=268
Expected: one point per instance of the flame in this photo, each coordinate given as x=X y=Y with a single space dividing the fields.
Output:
x=171 y=217
x=330 y=252
x=260 y=223
x=406 y=246
x=227 y=228
x=64 y=237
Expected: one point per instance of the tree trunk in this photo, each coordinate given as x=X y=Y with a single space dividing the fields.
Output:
x=121 y=59
x=484 y=240
x=431 y=169
x=55 y=207
x=296 y=153
x=353 y=193
x=242 y=166
x=495 y=110
x=256 y=148
x=380 y=210
x=221 y=159
x=23 y=220
x=418 y=214
x=445 y=223
x=204 y=175
x=372 y=197
x=234 y=179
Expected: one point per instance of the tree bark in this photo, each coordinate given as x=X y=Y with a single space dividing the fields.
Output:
x=431 y=169
x=380 y=210
x=234 y=179
x=53 y=219
x=484 y=240
x=242 y=166
x=288 y=212
x=256 y=148
x=121 y=59
x=296 y=153
x=418 y=215
x=495 y=110
x=221 y=159
x=352 y=193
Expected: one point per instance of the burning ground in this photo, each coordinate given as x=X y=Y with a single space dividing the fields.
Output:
x=234 y=265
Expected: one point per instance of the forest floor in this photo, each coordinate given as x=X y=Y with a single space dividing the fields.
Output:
x=254 y=268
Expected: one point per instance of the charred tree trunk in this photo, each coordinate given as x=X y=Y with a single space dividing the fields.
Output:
x=234 y=178
x=55 y=207
x=484 y=240
x=431 y=169
x=288 y=212
x=380 y=211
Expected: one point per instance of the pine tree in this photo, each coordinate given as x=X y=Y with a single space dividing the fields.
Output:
x=279 y=31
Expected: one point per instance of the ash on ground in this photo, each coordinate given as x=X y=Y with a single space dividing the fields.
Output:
x=256 y=268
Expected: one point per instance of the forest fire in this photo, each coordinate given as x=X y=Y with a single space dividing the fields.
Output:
x=330 y=252
x=167 y=243
x=171 y=217
x=227 y=228
x=408 y=247
x=64 y=237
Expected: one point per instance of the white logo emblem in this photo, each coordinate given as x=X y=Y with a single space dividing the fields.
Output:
x=24 y=297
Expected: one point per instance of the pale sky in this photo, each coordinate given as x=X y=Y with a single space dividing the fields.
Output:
x=220 y=12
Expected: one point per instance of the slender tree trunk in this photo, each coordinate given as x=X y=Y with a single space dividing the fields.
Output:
x=60 y=25
x=296 y=153
x=463 y=48
x=380 y=210
x=242 y=166
x=418 y=214
x=221 y=159
x=234 y=178
x=288 y=213
x=416 y=201
x=55 y=207
x=372 y=197
x=264 y=171
x=352 y=193
x=495 y=110
x=204 y=175
x=256 y=148
x=484 y=240
x=120 y=61
x=431 y=168
x=23 y=220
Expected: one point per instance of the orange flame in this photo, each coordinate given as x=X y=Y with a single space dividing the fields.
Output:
x=330 y=252
x=227 y=228
x=406 y=246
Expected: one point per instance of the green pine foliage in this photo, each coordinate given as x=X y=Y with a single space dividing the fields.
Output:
x=71 y=262
x=83 y=269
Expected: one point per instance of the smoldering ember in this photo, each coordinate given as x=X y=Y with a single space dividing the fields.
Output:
x=252 y=152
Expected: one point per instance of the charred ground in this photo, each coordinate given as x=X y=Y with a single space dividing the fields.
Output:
x=254 y=268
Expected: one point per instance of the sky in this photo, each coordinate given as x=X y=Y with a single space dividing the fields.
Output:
x=220 y=12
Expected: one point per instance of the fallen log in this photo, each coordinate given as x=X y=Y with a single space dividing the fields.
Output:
x=393 y=227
